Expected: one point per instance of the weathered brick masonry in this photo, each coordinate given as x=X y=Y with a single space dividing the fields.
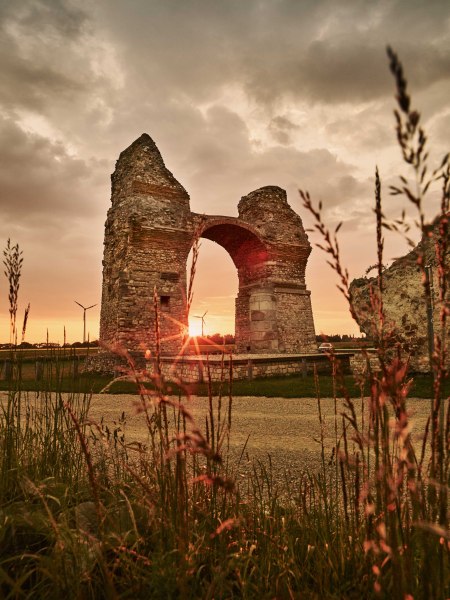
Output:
x=149 y=232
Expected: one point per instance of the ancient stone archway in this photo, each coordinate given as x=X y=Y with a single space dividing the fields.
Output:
x=148 y=235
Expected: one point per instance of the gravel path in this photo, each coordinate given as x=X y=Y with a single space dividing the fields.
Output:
x=287 y=429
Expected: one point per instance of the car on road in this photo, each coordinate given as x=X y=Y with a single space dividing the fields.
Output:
x=326 y=347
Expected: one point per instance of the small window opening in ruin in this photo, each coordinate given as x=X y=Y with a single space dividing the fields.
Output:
x=165 y=303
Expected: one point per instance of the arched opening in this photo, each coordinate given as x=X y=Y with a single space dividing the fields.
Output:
x=224 y=296
x=215 y=290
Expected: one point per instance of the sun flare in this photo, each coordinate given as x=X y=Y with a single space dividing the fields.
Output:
x=195 y=327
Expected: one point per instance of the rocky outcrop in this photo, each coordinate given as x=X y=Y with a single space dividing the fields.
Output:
x=406 y=309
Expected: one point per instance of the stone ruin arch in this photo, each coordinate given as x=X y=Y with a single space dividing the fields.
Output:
x=149 y=233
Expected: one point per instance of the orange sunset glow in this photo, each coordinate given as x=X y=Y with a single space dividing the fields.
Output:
x=195 y=328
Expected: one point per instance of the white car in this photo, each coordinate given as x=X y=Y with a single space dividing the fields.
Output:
x=326 y=347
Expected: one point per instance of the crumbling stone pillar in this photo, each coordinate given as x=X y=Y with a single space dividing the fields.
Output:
x=287 y=313
x=147 y=240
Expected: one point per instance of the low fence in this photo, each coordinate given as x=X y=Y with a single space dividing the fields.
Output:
x=194 y=368
x=362 y=362
x=197 y=368
x=73 y=366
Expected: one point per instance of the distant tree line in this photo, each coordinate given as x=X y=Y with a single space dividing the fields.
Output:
x=27 y=345
x=228 y=338
x=216 y=338
x=339 y=338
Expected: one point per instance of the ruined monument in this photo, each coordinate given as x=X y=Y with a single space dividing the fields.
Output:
x=149 y=232
x=410 y=321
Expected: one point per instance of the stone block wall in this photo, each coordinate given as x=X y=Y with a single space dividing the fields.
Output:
x=361 y=362
x=195 y=370
x=295 y=323
x=263 y=321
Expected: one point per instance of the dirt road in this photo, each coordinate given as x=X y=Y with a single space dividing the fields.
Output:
x=287 y=429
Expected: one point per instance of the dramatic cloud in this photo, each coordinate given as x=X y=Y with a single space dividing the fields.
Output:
x=235 y=94
x=40 y=182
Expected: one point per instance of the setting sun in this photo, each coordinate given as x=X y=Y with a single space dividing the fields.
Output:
x=195 y=327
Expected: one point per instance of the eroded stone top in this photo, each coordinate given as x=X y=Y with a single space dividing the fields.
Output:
x=140 y=171
x=268 y=210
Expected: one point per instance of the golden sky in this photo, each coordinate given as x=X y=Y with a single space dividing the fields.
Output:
x=237 y=95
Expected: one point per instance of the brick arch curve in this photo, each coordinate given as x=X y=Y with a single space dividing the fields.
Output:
x=242 y=241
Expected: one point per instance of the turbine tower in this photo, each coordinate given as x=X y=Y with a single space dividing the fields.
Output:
x=203 y=320
x=85 y=308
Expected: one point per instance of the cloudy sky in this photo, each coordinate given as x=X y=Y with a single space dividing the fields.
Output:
x=236 y=94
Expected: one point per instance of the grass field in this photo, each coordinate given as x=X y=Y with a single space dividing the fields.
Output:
x=139 y=496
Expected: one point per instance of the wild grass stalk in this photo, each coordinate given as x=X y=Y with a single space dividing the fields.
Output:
x=13 y=267
x=400 y=501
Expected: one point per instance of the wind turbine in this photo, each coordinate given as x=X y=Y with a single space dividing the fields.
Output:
x=203 y=320
x=85 y=308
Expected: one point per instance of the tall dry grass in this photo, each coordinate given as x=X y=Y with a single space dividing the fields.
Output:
x=400 y=493
x=12 y=261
